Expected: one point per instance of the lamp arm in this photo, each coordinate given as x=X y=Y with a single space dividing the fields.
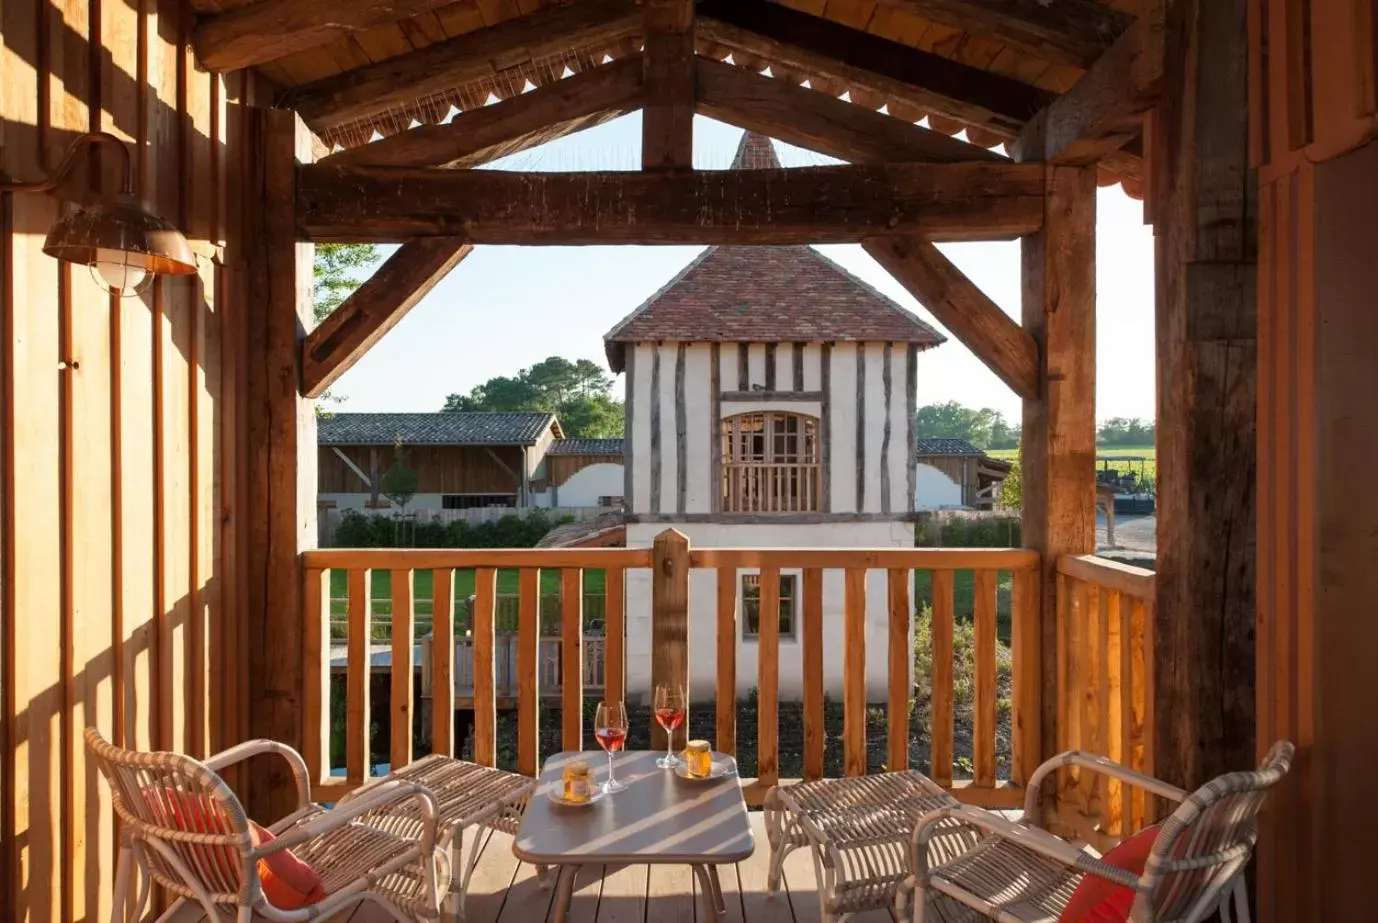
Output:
x=69 y=161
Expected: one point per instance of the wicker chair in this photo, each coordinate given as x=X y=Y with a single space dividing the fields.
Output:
x=184 y=829
x=1020 y=873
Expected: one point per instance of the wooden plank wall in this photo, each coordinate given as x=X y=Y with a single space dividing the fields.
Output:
x=1313 y=69
x=119 y=443
x=440 y=469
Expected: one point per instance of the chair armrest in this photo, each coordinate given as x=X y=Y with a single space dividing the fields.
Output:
x=377 y=797
x=1033 y=839
x=250 y=748
x=1093 y=763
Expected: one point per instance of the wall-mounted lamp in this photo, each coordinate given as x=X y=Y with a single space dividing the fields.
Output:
x=124 y=244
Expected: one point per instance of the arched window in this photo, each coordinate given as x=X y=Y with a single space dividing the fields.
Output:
x=770 y=463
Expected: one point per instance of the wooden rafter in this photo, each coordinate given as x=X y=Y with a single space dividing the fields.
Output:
x=517 y=124
x=816 y=46
x=819 y=122
x=475 y=56
x=961 y=307
x=1104 y=110
x=953 y=201
x=262 y=32
x=375 y=308
x=667 y=126
x=1072 y=32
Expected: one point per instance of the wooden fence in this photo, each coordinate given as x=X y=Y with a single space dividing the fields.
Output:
x=1105 y=691
x=670 y=564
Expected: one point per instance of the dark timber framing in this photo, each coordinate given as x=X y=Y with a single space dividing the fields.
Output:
x=743 y=368
x=768 y=395
x=681 y=434
x=770 y=366
x=911 y=397
x=885 y=433
x=797 y=365
x=629 y=443
x=715 y=428
x=825 y=424
x=861 y=427
x=655 y=428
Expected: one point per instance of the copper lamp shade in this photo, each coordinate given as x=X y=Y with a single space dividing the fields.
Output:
x=121 y=226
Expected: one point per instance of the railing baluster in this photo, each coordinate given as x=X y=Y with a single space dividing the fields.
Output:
x=1071 y=605
x=316 y=693
x=726 y=720
x=1116 y=707
x=1143 y=810
x=942 y=676
x=615 y=633
x=813 y=673
x=854 y=673
x=901 y=657
x=485 y=673
x=357 y=750
x=1025 y=640
x=528 y=671
x=572 y=657
x=402 y=672
x=1091 y=669
x=443 y=661
x=768 y=676
x=983 y=724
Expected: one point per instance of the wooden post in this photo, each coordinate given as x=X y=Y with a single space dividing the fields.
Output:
x=1203 y=209
x=281 y=446
x=670 y=621
x=1058 y=450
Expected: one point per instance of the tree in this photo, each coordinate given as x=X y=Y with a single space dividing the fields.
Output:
x=399 y=481
x=984 y=428
x=1125 y=431
x=337 y=272
x=579 y=392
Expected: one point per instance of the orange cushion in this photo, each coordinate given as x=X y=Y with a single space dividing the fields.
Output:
x=1099 y=901
x=288 y=882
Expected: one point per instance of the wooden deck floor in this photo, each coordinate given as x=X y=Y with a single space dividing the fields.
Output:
x=506 y=891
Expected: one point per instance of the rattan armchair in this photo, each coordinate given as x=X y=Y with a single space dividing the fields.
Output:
x=1020 y=873
x=183 y=828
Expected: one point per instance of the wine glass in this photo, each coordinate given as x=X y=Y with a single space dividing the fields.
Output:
x=610 y=729
x=671 y=707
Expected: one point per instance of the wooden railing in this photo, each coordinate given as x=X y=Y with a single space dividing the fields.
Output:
x=979 y=585
x=768 y=487
x=1104 y=690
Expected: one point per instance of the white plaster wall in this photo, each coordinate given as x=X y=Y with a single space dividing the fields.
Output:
x=703 y=606
x=934 y=490
x=699 y=428
x=813 y=366
x=876 y=411
x=639 y=427
x=357 y=501
x=728 y=377
x=899 y=458
x=669 y=465
x=756 y=365
x=588 y=484
x=842 y=427
x=784 y=366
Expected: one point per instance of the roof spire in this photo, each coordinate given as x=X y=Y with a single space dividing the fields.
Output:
x=755 y=153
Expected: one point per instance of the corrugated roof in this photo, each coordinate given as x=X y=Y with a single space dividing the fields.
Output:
x=433 y=428
x=766 y=295
x=940 y=445
x=585 y=447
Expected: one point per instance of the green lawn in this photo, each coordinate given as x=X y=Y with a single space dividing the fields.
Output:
x=1149 y=469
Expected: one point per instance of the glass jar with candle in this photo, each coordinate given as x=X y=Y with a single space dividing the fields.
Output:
x=578 y=779
x=698 y=757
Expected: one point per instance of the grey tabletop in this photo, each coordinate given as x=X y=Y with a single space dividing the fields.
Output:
x=660 y=818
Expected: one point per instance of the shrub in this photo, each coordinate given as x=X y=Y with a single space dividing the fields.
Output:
x=358 y=530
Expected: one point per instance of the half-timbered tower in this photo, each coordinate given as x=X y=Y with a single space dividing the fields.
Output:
x=771 y=399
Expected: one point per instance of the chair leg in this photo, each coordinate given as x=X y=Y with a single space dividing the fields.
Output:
x=119 y=910
x=1241 y=901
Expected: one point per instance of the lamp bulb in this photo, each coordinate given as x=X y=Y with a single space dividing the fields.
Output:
x=120 y=273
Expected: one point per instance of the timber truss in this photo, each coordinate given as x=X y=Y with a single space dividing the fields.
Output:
x=394 y=159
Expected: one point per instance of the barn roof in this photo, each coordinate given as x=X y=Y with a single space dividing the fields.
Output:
x=434 y=428
x=764 y=294
x=941 y=445
x=585 y=447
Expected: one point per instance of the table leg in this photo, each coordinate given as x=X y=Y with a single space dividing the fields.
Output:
x=564 y=892
x=707 y=876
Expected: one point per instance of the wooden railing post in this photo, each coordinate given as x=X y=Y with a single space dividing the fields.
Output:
x=670 y=620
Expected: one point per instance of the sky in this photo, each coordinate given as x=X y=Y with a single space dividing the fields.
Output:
x=505 y=308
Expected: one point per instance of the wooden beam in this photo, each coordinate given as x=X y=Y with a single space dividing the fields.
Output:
x=1058 y=445
x=819 y=122
x=480 y=55
x=961 y=307
x=816 y=46
x=1104 y=110
x=375 y=308
x=1073 y=32
x=667 y=124
x=262 y=32
x=954 y=201
x=517 y=124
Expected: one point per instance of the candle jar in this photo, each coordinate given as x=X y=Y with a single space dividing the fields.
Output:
x=578 y=779
x=698 y=758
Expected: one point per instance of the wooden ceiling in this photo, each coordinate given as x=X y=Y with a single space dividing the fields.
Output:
x=985 y=66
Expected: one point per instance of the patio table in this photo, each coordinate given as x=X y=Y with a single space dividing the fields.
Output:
x=660 y=819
